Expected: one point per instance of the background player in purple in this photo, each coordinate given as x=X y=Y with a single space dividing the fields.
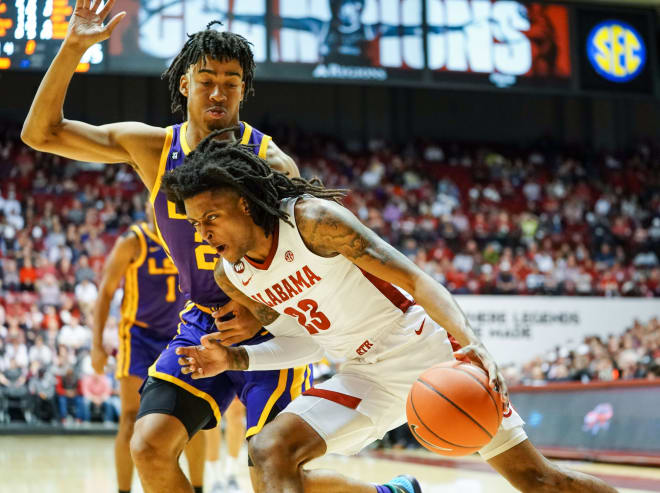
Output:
x=208 y=80
x=150 y=302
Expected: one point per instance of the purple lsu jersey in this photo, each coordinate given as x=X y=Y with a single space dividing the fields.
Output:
x=151 y=301
x=194 y=259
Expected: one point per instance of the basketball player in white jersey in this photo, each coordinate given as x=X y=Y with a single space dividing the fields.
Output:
x=322 y=282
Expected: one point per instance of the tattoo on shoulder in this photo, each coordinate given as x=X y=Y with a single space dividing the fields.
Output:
x=328 y=230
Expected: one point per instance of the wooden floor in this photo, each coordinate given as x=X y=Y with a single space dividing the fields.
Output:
x=54 y=464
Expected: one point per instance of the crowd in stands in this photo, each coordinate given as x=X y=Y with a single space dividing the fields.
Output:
x=478 y=219
x=635 y=354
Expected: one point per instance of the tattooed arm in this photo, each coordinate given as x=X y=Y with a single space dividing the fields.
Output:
x=264 y=314
x=328 y=229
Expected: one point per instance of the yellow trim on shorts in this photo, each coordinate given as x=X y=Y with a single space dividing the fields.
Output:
x=279 y=390
x=188 y=388
x=307 y=377
x=263 y=147
x=297 y=381
x=189 y=306
x=204 y=308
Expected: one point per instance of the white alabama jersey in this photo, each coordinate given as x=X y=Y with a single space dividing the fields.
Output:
x=346 y=310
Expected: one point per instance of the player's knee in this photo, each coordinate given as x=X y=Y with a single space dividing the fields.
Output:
x=147 y=447
x=271 y=451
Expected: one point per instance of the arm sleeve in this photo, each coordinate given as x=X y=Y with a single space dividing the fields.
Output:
x=283 y=352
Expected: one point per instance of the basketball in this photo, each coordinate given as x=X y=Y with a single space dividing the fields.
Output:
x=451 y=409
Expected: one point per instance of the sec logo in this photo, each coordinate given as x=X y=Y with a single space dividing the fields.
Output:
x=616 y=51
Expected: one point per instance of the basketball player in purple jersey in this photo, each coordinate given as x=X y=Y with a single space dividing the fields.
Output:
x=208 y=80
x=151 y=301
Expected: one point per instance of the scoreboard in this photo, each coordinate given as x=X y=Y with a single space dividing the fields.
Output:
x=32 y=31
x=504 y=44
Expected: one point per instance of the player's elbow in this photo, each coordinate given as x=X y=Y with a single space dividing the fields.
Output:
x=31 y=138
x=34 y=137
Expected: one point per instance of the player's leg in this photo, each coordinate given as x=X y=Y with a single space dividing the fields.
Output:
x=156 y=445
x=129 y=395
x=174 y=408
x=195 y=452
x=212 y=469
x=311 y=426
x=234 y=419
x=169 y=417
x=530 y=472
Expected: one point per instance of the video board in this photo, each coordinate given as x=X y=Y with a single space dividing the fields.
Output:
x=505 y=43
x=32 y=31
x=479 y=43
x=374 y=40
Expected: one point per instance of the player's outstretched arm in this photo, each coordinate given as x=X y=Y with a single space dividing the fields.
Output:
x=328 y=229
x=47 y=130
x=125 y=250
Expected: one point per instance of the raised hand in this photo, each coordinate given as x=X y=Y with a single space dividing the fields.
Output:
x=86 y=24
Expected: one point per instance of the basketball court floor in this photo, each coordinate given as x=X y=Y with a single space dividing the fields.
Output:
x=59 y=464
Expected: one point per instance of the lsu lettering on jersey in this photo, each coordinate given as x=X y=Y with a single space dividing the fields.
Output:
x=345 y=309
x=151 y=301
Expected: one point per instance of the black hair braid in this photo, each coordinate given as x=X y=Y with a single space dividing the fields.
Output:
x=218 y=164
x=219 y=45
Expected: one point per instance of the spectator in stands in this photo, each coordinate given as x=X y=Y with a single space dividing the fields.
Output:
x=27 y=275
x=42 y=389
x=96 y=391
x=49 y=291
x=74 y=335
x=84 y=271
x=16 y=349
x=13 y=388
x=69 y=396
x=41 y=353
x=86 y=294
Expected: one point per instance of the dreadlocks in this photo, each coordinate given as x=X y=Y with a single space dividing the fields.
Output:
x=217 y=164
x=221 y=46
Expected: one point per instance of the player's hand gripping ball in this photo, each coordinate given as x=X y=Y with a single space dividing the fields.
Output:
x=452 y=410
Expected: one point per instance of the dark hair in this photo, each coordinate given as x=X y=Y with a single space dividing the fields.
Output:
x=216 y=164
x=219 y=45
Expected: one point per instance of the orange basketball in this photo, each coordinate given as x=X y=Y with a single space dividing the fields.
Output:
x=452 y=410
